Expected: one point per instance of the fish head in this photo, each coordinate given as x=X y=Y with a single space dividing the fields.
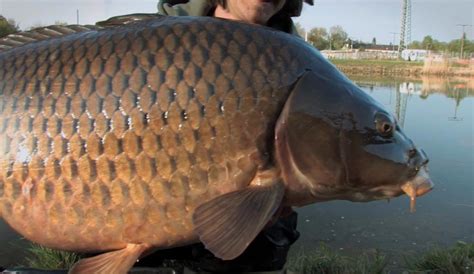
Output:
x=334 y=141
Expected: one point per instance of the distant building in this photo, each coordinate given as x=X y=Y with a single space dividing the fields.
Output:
x=414 y=54
x=379 y=47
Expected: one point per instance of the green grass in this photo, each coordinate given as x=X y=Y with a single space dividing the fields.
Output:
x=49 y=259
x=324 y=260
x=458 y=259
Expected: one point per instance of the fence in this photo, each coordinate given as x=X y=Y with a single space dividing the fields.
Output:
x=361 y=55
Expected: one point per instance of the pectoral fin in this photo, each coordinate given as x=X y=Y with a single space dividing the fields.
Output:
x=120 y=261
x=227 y=224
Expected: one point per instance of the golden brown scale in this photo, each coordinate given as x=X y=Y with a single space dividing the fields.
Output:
x=115 y=136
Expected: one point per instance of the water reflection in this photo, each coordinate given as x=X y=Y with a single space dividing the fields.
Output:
x=404 y=90
x=454 y=88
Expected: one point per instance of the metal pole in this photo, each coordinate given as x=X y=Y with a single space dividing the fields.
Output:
x=394 y=36
x=405 y=31
x=77 y=16
x=462 y=38
x=330 y=41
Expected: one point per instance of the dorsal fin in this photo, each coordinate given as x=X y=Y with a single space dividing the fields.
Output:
x=128 y=19
x=43 y=33
x=25 y=37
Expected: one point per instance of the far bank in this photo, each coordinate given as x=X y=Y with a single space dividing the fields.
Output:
x=401 y=68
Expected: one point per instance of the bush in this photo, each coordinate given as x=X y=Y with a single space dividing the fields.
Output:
x=7 y=27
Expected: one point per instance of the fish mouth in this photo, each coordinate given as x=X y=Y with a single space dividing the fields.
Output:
x=418 y=186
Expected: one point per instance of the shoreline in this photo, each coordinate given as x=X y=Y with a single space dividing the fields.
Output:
x=399 y=68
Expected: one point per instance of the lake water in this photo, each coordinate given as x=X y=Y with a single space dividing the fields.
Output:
x=438 y=115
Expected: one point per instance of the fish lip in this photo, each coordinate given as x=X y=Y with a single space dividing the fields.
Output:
x=418 y=186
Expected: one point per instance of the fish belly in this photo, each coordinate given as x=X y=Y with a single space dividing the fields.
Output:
x=115 y=136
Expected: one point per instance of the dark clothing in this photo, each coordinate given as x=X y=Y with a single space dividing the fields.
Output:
x=267 y=252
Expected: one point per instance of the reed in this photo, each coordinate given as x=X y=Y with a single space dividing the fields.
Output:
x=436 y=66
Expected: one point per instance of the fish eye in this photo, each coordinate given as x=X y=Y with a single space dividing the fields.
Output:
x=384 y=125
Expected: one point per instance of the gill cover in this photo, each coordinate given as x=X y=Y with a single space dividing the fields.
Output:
x=307 y=138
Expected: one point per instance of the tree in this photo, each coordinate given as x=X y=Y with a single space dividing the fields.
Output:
x=455 y=46
x=374 y=41
x=468 y=47
x=415 y=45
x=318 y=37
x=300 y=30
x=338 y=37
x=427 y=42
x=7 y=26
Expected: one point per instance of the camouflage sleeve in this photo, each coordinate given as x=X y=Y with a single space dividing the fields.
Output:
x=184 y=8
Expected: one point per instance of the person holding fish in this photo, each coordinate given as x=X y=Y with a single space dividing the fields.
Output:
x=149 y=132
x=275 y=241
x=276 y=14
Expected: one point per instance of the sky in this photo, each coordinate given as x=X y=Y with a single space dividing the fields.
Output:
x=361 y=19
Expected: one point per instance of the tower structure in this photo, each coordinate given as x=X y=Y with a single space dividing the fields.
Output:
x=405 y=31
x=401 y=103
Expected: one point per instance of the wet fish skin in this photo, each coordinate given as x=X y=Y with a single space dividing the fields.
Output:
x=115 y=136
x=155 y=133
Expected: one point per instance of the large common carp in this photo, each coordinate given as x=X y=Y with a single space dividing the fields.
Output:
x=168 y=131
